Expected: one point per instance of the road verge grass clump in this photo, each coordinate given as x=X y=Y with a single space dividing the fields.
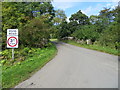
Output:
x=20 y=71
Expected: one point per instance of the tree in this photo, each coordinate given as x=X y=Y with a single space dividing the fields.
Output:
x=106 y=16
x=93 y=19
x=80 y=18
x=35 y=33
x=116 y=14
x=63 y=30
x=110 y=36
x=59 y=17
x=17 y=14
x=87 y=32
x=77 y=20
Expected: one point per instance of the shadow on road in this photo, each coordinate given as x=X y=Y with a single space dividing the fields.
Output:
x=57 y=43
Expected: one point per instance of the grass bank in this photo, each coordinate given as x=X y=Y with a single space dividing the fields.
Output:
x=54 y=40
x=17 y=73
x=94 y=47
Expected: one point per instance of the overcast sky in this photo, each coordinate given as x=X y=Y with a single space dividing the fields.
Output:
x=89 y=8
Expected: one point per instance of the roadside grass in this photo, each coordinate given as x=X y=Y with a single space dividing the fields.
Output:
x=94 y=47
x=22 y=71
x=54 y=40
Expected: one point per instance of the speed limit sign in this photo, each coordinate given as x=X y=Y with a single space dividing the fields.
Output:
x=12 y=42
x=12 y=38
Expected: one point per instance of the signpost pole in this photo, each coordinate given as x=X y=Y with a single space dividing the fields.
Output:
x=12 y=53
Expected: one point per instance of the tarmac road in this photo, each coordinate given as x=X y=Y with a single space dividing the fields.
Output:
x=76 y=67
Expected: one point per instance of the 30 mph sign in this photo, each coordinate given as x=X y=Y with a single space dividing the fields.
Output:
x=12 y=38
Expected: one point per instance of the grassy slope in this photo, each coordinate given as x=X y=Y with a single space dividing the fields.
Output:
x=95 y=47
x=16 y=74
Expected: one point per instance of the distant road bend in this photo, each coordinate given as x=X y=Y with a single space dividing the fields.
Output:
x=76 y=67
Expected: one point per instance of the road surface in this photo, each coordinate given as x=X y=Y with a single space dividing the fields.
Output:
x=76 y=67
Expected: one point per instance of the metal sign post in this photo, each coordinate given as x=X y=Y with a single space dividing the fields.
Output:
x=12 y=53
x=12 y=40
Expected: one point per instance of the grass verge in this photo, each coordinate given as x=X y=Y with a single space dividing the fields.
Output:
x=95 y=47
x=54 y=40
x=21 y=71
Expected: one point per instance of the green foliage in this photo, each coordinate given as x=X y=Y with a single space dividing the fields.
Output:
x=26 y=50
x=59 y=17
x=35 y=33
x=63 y=30
x=3 y=61
x=73 y=26
x=103 y=29
x=87 y=32
x=19 y=54
x=17 y=14
x=76 y=20
x=20 y=71
x=48 y=44
x=80 y=18
x=7 y=54
x=57 y=20
x=110 y=36
x=105 y=49
x=54 y=31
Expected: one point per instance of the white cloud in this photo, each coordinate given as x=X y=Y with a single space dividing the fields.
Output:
x=62 y=5
x=68 y=1
x=86 y=1
x=68 y=19
x=111 y=5
x=115 y=0
x=87 y=11
x=90 y=10
x=94 y=10
x=108 y=5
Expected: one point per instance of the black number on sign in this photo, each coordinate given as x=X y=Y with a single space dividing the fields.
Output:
x=12 y=40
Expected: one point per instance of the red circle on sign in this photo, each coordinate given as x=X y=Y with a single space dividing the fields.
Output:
x=12 y=45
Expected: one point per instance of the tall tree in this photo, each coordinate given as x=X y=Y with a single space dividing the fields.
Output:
x=59 y=17
x=79 y=18
x=63 y=30
x=106 y=16
x=17 y=14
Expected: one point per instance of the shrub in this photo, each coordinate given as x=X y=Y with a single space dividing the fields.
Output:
x=86 y=32
x=35 y=33
x=110 y=37
x=26 y=50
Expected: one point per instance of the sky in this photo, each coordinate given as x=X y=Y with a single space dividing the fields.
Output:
x=88 y=8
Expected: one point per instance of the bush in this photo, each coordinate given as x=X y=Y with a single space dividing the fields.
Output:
x=63 y=30
x=35 y=33
x=7 y=54
x=110 y=37
x=26 y=50
x=19 y=55
x=86 y=32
